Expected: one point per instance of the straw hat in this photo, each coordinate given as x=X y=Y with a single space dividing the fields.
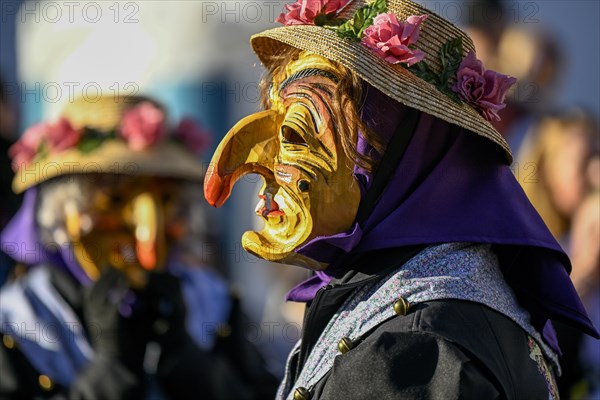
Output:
x=396 y=81
x=91 y=137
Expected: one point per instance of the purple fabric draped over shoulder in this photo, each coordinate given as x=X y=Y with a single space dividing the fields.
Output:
x=454 y=186
x=20 y=240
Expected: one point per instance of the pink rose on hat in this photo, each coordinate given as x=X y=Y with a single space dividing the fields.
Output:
x=61 y=136
x=484 y=90
x=25 y=149
x=57 y=137
x=390 y=39
x=142 y=126
x=304 y=12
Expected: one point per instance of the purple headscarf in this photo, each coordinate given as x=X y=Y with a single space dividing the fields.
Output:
x=452 y=185
x=20 y=240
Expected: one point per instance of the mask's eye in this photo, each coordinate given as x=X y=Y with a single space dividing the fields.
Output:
x=167 y=197
x=291 y=136
x=117 y=199
x=106 y=200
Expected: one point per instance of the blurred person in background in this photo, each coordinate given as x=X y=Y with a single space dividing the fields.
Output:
x=116 y=295
x=484 y=21
x=581 y=354
x=534 y=56
x=186 y=54
x=552 y=169
x=560 y=172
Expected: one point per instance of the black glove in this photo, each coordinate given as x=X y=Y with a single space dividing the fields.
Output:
x=118 y=319
x=164 y=302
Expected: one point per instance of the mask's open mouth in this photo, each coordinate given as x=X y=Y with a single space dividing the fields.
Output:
x=268 y=207
x=287 y=222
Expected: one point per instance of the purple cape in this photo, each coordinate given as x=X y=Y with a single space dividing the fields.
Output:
x=452 y=185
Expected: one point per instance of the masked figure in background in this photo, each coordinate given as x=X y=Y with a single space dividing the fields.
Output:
x=117 y=296
x=435 y=277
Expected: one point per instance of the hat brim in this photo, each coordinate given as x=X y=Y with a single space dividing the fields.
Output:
x=391 y=79
x=112 y=157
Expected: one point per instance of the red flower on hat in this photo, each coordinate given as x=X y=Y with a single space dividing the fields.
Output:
x=484 y=90
x=390 y=39
x=142 y=126
x=25 y=149
x=304 y=12
x=192 y=135
x=57 y=137
x=61 y=136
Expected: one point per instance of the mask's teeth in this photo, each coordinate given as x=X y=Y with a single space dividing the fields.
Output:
x=284 y=176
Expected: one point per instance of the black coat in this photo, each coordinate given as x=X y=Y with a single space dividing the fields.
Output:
x=444 y=349
x=233 y=369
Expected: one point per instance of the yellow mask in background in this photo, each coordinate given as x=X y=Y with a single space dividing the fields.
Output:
x=130 y=224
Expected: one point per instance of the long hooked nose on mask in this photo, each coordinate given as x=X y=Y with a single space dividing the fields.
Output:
x=249 y=147
x=148 y=224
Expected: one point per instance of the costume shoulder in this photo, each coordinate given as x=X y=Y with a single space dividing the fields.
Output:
x=42 y=342
x=441 y=349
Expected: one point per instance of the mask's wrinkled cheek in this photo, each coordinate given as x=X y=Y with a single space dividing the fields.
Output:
x=335 y=198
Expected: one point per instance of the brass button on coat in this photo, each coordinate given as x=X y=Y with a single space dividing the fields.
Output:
x=401 y=306
x=45 y=382
x=224 y=330
x=345 y=345
x=301 y=393
x=8 y=342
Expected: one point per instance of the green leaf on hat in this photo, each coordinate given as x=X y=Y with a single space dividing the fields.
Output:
x=353 y=29
x=323 y=19
x=327 y=20
x=88 y=145
x=42 y=150
x=451 y=54
x=423 y=71
x=92 y=139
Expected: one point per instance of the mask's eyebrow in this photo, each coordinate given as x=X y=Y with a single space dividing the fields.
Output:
x=305 y=73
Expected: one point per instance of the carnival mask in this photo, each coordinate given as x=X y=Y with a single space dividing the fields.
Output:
x=309 y=189
x=126 y=222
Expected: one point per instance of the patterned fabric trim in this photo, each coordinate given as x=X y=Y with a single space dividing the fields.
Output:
x=535 y=353
x=285 y=386
x=459 y=271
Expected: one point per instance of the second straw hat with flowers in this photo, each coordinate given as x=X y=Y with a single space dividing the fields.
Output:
x=407 y=52
x=125 y=135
